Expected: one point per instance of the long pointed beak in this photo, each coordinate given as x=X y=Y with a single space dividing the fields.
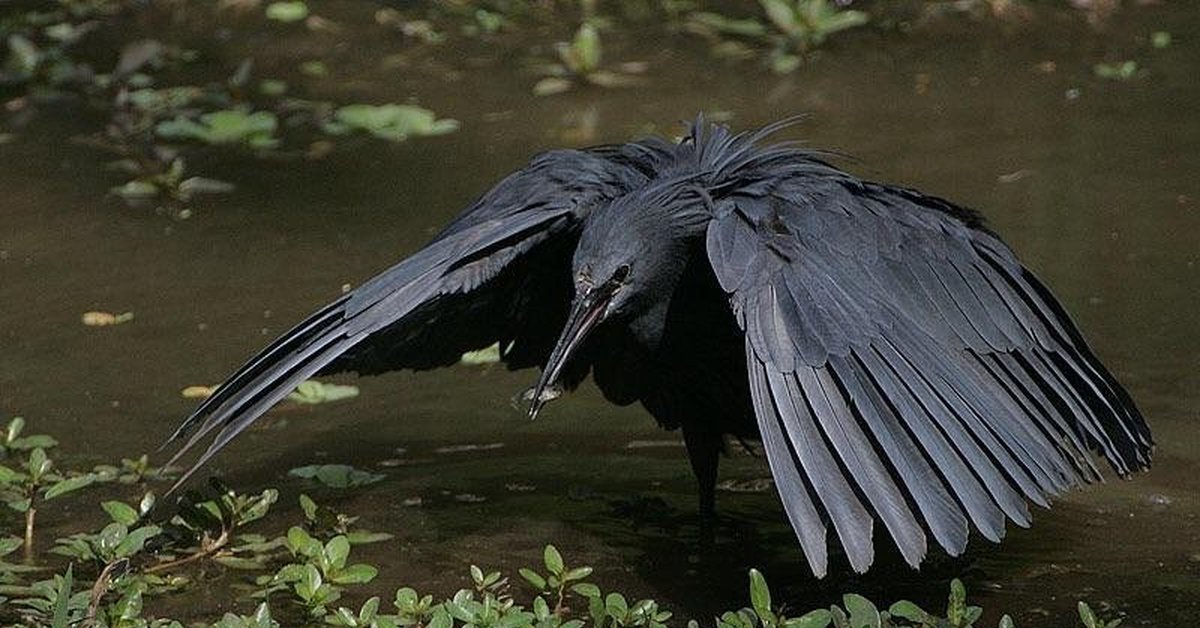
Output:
x=587 y=312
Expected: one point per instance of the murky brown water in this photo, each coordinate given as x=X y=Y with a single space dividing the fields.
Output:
x=1094 y=183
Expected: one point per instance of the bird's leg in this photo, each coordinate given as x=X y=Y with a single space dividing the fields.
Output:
x=704 y=451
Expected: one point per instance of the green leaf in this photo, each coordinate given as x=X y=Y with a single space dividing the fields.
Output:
x=486 y=355
x=287 y=11
x=310 y=581
x=228 y=126
x=9 y=544
x=337 y=550
x=120 y=512
x=135 y=541
x=62 y=601
x=336 y=475
x=760 y=594
x=32 y=441
x=615 y=605
x=313 y=392
x=583 y=55
x=68 y=485
x=440 y=619
x=578 y=573
x=24 y=55
x=38 y=464
x=819 y=618
x=300 y=542
x=309 y=507
x=368 y=611
x=1088 y=617
x=393 y=122
x=553 y=560
x=272 y=87
x=863 y=613
x=551 y=85
x=1007 y=622
x=782 y=14
x=136 y=189
x=1116 y=71
x=10 y=476
x=356 y=574
x=533 y=578
x=15 y=426
x=586 y=589
x=905 y=609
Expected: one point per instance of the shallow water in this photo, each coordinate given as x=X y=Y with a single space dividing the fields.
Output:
x=1092 y=182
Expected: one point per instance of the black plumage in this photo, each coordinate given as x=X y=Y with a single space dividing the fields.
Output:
x=897 y=361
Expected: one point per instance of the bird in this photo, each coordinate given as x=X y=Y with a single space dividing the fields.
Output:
x=899 y=365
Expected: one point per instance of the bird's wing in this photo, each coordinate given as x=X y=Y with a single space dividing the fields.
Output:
x=414 y=313
x=905 y=367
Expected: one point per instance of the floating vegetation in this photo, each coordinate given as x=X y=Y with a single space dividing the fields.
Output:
x=255 y=129
x=486 y=355
x=1122 y=71
x=580 y=62
x=312 y=392
x=309 y=392
x=152 y=182
x=336 y=475
x=38 y=56
x=287 y=11
x=391 y=122
x=105 y=319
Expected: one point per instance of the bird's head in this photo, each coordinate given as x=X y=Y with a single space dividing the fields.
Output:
x=626 y=265
x=604 y=289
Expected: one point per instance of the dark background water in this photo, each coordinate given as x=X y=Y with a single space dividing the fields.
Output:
x=1094 y=183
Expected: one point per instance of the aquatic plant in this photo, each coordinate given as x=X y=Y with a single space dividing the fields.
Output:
x=792 y=29
x=255 y=129
x=391 y=122
x=579 y=62
x=31 y=478
x=145 y=550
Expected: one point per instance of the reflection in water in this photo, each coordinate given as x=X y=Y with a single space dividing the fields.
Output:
x=1092 y=183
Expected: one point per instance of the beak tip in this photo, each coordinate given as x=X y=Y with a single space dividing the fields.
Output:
x=535 y=407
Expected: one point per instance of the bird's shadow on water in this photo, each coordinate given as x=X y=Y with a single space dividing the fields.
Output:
x=709 y=575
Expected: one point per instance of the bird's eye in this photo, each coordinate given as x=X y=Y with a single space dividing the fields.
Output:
x=621 y=274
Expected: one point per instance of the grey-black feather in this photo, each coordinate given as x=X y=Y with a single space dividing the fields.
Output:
x=897 y=361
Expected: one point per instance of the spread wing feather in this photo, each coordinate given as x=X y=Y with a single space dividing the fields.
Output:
x=906 y=368
x=531 y=216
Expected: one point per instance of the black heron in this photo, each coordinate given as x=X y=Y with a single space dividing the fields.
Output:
x=896 y=360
